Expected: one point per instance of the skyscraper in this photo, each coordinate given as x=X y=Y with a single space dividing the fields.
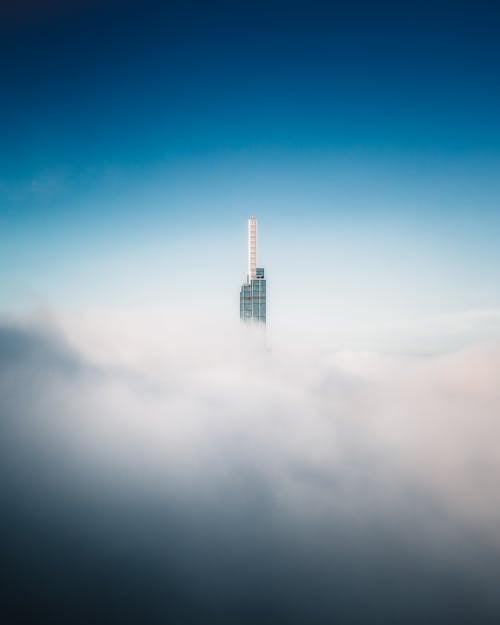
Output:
x=253 y=291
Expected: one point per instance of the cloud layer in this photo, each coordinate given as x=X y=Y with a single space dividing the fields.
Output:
x=198 y=476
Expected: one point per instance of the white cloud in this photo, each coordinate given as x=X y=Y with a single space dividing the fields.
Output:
x=317 y=474
x=163 y=400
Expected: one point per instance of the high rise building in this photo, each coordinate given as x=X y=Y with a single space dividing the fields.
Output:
x=253 y=291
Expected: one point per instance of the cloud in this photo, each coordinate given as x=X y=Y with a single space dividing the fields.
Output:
x=164 y=472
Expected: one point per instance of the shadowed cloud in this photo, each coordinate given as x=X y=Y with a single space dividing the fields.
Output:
x=206 y=481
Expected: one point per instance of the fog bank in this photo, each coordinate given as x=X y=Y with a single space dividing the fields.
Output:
x=168 y=472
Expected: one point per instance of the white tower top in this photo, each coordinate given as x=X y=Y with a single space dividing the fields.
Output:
x=252 y=248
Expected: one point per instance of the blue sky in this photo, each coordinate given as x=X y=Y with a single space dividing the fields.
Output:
x=136 y=140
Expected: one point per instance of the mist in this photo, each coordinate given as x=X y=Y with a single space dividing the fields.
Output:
x=166 y=472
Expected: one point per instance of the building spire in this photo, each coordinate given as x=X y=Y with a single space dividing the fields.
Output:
x=252 y=248
x=253 y=291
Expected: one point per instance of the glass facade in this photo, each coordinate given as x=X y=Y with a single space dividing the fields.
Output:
x=253 y=299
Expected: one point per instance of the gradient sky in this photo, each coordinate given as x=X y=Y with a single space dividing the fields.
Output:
x=136 y=139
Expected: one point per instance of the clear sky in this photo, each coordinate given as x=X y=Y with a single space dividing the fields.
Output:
x=136 y=139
